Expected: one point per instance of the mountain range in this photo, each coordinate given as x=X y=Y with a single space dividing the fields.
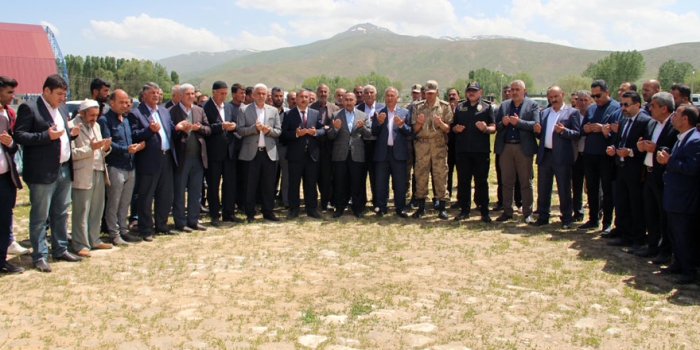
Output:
x=366 y=47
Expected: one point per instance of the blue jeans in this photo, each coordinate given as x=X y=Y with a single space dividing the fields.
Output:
x=50 y=201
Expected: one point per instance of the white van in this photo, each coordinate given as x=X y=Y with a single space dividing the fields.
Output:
x=695 y=99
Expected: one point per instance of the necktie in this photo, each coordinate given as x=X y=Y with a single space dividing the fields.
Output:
x=625 y=133
x=303 y=118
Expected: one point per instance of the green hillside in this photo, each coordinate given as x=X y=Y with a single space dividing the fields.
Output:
x=417 y=59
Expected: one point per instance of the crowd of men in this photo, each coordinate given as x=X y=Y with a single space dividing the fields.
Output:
x=639 y=157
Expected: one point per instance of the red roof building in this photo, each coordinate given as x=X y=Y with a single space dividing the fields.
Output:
x=26 y=55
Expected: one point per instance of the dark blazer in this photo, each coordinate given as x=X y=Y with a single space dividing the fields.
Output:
x=562 y=145
x=147 y=161
x=330 y=110
x=296 y=146
x=682 y=188
x=667 y=138
x=220 y=142
x=381 y=131
x=9 y=152
x=345 y=141
x=639 y=129
x=373 y=118
x=41 y=154
x=180 y=138
x=529 y=116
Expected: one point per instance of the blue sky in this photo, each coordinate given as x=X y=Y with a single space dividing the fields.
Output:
x=154 y=30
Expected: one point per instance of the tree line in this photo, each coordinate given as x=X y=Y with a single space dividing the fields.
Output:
x=126 y=74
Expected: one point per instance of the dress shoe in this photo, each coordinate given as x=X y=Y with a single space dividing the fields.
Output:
x=578 y=218
x=504 y=217
x=313 y=214
x=646 y=253
x=147 y=238
x=84 y=253
x=498 y=207
x=42 y=265
x=215 y=222
x=661 y=259
x=15 y=249
x=183 y=229
x=9 y=268
x=329 y=206
x=614 y=233
x=485 y=218
x=233 y=218
x=293 y=214
x=250 y=219
x=338 y=213
x=203 y=209
x=197 y=227
x=671 y=270
x=68 y=257
x=461 y=216
x=130 y=238
x=540 y=222
x=529 y=220
x=402 y=214
x=360 y=214
x=566 y=225
x=589 y=225
x=166 y=232
x=454 y=205
x=134 y=226
x=118 y=241
x=686 y=279
x=635 y=248
x=102 y=245
x=620 y=242
x=271 y=217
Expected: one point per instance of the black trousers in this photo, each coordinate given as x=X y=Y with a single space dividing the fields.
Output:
x=155 y=194
x=655 y=215
x=397 y=170
x=629 y=205
x=577 y=177
x=476 y=165
x=241 y=181
x=306 y=169
x=451 y=164
x=599 y=173
x=518 y=195
x=325 y=178
x=224 y=202
x=348 y=177
x=369 y=170
x=8 y=193
x=261 y=175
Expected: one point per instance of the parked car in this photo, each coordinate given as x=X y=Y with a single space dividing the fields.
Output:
x=695 y=99
x=541 y=101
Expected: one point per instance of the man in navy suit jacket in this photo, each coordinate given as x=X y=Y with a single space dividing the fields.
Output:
x=391 y=153
x=42 y=128
x=555 y=156
x=301 y=130
x=682 y=192
x=371 y=108
x=155 y=163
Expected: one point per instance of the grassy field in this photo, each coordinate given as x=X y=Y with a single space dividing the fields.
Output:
x=373 y=283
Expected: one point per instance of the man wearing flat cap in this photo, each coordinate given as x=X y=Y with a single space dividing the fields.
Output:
x=89 y=178
x=473 y=124
x=431 y=119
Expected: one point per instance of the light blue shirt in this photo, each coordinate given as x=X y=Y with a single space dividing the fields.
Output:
x=350 y=118
x=164 y=142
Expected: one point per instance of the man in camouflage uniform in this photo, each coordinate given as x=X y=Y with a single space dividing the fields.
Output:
x=431 y=123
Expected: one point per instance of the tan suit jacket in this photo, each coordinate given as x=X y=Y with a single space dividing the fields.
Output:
x=84 y=158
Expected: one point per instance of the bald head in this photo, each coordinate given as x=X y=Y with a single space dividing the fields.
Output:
x=649 y=88
x=119 y=102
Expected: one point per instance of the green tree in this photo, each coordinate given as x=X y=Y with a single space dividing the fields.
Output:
x=379 y=81
x=573 y=83
x=617 y=68
x=490 y=81
x=174 y=77
x=692 y=80
x=671 y=72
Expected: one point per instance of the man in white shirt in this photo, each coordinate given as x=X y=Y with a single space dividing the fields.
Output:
x=41 y=129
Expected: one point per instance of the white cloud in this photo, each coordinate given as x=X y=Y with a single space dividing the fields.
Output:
x=148 y=32
x=248 y=40
x=53 y=28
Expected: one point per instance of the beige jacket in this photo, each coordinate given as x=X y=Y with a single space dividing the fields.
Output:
x=85 y=160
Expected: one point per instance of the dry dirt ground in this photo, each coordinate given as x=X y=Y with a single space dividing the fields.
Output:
x=373 y=283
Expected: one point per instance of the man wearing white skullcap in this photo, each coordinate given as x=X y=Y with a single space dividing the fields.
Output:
x=89 y=177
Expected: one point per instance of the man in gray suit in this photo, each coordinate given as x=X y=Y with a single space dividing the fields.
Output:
x=259 y=126
x=516 y=145
x=349 y=127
